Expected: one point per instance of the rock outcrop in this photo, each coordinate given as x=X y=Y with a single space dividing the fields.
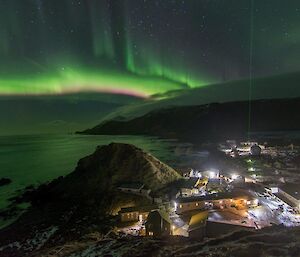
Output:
x=114 y=164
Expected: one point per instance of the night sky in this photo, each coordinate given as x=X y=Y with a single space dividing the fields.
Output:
x=143 y=47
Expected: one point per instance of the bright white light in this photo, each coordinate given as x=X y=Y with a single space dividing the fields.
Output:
x=234 y=176
x=175 y=205
x=251 y=169
x=212 y=174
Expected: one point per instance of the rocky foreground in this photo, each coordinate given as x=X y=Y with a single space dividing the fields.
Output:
x=279 y=242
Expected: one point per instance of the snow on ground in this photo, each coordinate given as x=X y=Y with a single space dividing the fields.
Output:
x=273 y=241
x=137 y=246
x=274 y=210
x=34 y=243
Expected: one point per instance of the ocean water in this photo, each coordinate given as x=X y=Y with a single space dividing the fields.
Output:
x=35 y=159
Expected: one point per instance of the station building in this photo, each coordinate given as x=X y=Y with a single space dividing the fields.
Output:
x=288 y=193
x=239 y=200
x=134 y=214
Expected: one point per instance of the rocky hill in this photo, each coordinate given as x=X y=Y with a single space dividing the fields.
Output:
x=70 y=207
x=216 y=121
x=112 y=165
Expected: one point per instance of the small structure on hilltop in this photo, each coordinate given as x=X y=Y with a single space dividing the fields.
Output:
x=158 y=224
x=135 y=188
x=131 y=187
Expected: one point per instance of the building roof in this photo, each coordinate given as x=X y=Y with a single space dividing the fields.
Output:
x=198 y=220
x=233 y=223
x=291 y=189
x=217 y=196
x=159 y=213
x=135 y=185
x=189 y=183
x=214 y=181
x=283 y=198
x=138 y=209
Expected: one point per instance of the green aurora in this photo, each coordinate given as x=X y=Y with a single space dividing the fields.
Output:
x=141 y=48
x=121 y=71
x=73 y=81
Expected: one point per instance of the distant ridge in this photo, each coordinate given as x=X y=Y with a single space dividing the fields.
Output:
x=274 y=87
x=209 y=122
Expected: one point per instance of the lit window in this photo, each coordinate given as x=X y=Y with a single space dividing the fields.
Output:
x=197 y=204
x=150 y=233
x=180 y=206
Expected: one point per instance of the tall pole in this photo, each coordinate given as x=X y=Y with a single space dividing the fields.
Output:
x=250 y=65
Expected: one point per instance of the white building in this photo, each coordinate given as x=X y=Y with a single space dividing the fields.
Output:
x=289 y=193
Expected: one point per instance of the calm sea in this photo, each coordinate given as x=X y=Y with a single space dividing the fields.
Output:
x=35 y=159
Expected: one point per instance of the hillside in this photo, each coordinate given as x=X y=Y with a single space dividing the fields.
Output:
x=210 y=122
x=70 y=207
x=279 y=86
x=113 y=164
x=273 y=242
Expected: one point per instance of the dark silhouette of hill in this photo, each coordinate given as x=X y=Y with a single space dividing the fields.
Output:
x=210 y=122
x=273 y=87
